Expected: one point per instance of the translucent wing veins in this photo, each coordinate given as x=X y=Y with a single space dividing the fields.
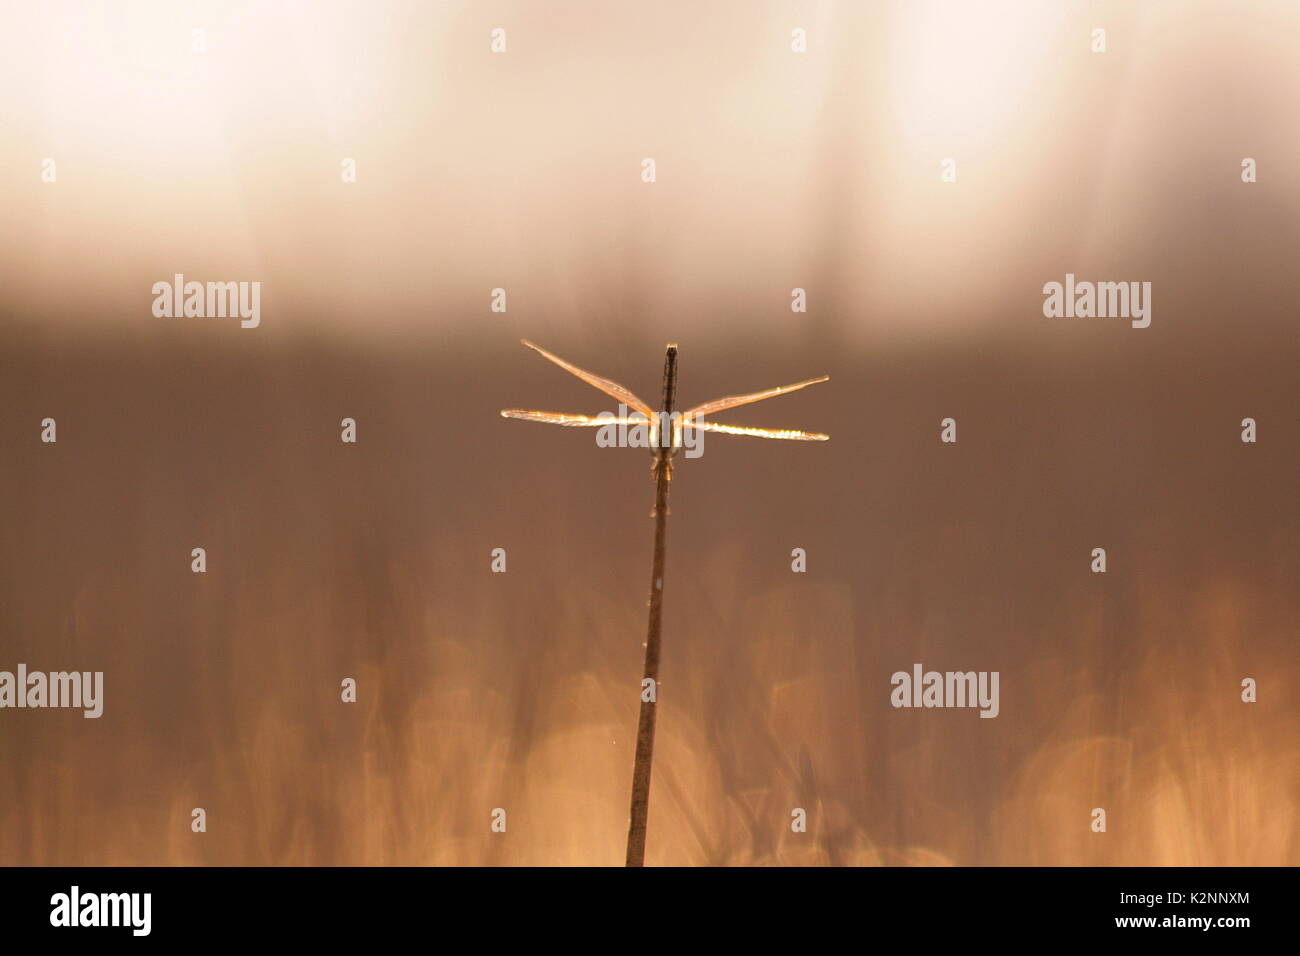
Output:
x=719 y=404
x=564 y=418
x=608 y=386
x=787 y=433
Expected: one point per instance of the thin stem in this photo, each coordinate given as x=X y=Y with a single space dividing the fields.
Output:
x=645 y=731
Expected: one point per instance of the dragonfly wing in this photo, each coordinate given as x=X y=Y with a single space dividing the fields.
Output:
x=719 y=404
x=610 y=388
x=564 y=418
x=787 y=433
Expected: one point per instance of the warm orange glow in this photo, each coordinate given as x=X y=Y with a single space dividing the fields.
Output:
x=817 y=172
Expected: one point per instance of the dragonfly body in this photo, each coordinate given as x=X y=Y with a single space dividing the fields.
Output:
x=665 y=446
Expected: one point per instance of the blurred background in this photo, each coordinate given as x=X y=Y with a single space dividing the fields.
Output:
x=775 y=170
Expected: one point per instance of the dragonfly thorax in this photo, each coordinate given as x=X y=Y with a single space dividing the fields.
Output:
x=665 y=433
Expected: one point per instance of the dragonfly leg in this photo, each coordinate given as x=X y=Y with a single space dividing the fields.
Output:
x=667 y=465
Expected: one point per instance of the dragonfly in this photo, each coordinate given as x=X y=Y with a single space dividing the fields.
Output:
x=666 y=427
x=666 y=430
